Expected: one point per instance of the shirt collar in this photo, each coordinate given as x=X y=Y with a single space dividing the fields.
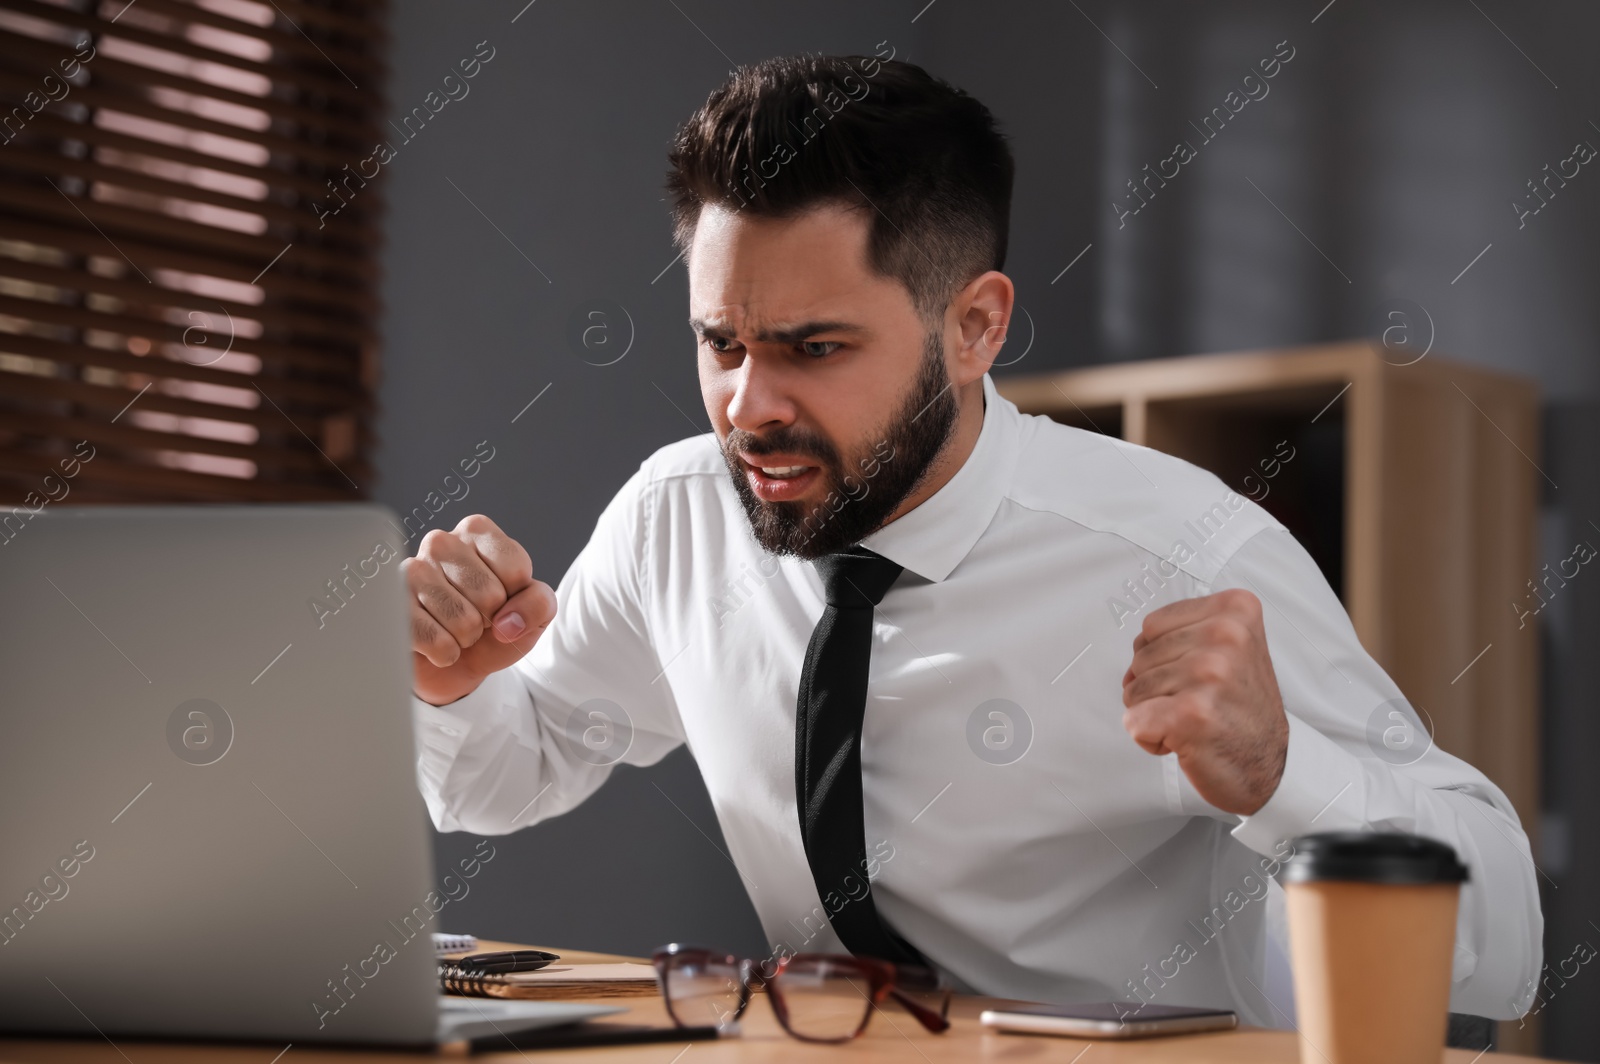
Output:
x=932 y=539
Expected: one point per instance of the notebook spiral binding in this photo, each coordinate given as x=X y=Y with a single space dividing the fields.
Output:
x=453 y=979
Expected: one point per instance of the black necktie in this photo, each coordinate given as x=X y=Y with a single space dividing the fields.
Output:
x=827 y=750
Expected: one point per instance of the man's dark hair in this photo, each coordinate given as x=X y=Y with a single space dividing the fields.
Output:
x=924 y=159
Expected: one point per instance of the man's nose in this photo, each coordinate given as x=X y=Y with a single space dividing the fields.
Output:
x=760 y=398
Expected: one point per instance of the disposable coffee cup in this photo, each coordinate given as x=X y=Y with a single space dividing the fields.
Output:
x=1372 y=927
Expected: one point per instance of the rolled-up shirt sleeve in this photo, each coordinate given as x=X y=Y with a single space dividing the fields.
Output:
x=1335 y=779
x=535 y=739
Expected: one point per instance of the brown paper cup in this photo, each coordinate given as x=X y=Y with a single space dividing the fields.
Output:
x=1372 y=923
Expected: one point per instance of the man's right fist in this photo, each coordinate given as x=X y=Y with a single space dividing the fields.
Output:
x=475 y=607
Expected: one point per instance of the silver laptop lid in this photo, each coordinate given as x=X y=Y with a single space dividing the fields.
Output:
x=208 y=810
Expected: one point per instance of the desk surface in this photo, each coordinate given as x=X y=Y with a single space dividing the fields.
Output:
x=891 y=1036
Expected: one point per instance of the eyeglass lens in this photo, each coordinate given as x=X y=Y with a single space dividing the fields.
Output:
x=824 y=1001
x=703 y=993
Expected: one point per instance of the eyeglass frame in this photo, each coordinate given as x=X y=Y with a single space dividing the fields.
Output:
x=885 y=980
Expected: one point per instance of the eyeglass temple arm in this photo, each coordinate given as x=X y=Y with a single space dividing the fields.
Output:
x=924 y=1015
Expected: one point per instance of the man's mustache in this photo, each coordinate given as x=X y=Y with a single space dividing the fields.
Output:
x=782 y=442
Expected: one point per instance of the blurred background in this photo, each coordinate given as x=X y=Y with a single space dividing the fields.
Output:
x=325 y=250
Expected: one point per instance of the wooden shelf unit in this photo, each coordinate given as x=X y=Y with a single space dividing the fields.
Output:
x=1414 y=486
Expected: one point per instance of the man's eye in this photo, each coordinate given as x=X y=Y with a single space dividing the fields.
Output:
x=819 y=348
x=718 y=343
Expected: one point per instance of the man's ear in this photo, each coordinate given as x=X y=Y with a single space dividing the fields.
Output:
x=983 y=314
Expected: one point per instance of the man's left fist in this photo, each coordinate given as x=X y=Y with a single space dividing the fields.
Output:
x=1201 y=686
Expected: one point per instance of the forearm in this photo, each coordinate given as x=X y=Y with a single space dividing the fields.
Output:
x=1499 y=928
x=1336 y=777
x=490 y=763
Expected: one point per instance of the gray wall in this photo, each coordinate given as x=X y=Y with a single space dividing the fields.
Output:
x=560 y=144
x=1394 y=142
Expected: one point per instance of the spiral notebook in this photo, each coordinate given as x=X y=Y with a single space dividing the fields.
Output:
x=557 y=981
x=445 y=943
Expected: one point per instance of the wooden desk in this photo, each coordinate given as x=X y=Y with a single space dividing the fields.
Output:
x=891 y=1036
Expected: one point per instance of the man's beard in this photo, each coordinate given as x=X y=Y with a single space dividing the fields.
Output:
x=863 y=489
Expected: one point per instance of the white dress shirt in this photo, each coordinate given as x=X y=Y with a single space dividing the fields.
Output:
x=1018 y=836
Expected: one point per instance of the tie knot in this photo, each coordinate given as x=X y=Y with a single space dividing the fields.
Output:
x=856 y=578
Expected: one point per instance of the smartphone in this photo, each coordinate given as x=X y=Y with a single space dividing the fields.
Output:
x=1107 y=1020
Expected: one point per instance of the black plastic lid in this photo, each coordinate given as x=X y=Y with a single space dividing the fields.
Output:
x=1372 y=857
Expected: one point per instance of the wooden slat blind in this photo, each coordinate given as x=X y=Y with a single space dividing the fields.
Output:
x=168 y=293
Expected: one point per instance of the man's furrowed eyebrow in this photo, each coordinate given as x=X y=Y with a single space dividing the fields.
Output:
x=792 y=334
x=703 y=328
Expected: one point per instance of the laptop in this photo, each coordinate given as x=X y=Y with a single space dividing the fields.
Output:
x=208 y=806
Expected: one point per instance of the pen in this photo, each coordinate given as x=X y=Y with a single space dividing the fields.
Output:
x=499 y=963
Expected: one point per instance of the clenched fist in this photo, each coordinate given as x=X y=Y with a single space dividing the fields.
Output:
x=1201 y=686
x=475 y=607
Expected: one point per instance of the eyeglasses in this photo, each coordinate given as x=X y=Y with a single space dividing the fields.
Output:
x=817 y=997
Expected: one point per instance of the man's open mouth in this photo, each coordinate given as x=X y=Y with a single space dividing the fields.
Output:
x=779 y=478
